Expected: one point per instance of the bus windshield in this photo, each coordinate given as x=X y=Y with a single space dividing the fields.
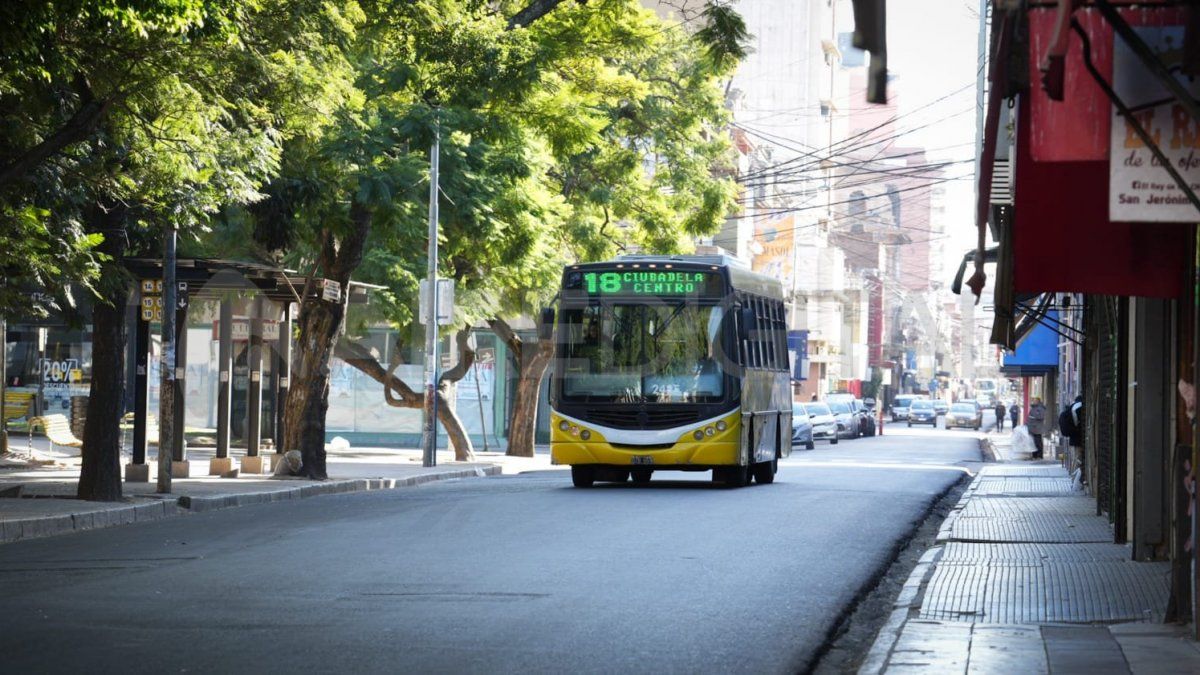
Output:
x=665 y=352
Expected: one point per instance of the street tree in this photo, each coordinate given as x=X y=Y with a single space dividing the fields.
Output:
x=652 y=173
x=128 y=116
x=546 y=135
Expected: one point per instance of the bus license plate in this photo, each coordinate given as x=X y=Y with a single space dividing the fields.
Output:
x=642 y=459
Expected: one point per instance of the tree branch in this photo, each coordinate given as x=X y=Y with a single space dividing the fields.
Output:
x=465 y=361
x=358 y=357
x=532 y=12
x=81 y=124
x=505 y=332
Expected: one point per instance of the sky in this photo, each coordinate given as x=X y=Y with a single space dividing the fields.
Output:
x=932 y=51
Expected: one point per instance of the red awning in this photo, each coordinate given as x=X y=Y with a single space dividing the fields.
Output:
x=1064 y=242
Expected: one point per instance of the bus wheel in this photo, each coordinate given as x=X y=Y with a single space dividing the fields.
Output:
x=764 y=472
x=641 y=476
x=583 y=476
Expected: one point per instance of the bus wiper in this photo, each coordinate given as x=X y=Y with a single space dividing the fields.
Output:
x=666 y=323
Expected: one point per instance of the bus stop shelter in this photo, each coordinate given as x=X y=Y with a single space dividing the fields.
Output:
x=270 y=293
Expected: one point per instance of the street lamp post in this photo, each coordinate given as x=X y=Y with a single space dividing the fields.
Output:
x=429 y=429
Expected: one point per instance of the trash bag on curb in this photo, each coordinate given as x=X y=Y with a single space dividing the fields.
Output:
x=1022 y=441
x=289 y=465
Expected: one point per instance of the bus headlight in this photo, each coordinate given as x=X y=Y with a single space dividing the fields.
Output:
x=585 y=434
x=721 y=426
x=564 y=425
x=709 y=431
x=698 y=434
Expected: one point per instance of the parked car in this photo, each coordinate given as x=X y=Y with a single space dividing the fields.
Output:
x=865 y=418
x=802 y=428
x=965 y=415
x=900 y=406
x=848 y=422
x=922 y=412
x=941 y=406
x=868 y=417
x=824 y=425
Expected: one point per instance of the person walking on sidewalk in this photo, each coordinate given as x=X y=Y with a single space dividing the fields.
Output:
x=1000 y=412
x=1014 y=415
x=1035 y=421
x=1070 y=423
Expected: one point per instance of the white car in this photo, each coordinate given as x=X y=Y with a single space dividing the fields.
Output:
x=823 y=423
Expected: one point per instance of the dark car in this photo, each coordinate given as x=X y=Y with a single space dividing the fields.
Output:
x=867 y=414
x=922 y=412
x=964 y=415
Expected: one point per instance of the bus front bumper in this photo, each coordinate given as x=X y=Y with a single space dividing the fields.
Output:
x=698 y=454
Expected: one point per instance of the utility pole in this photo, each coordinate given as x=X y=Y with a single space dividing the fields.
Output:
x=429 y=430
x=166 y=390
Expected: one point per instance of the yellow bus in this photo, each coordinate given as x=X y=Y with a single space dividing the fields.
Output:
x=669 y=363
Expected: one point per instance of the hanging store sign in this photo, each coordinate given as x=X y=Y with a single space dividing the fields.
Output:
x=1140 y=189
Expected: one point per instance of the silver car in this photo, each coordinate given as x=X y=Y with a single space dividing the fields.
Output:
x=848 y=422
x=823 y=423
x=802 y=428
x=900 y=406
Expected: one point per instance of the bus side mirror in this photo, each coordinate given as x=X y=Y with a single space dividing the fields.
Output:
x=546 y=325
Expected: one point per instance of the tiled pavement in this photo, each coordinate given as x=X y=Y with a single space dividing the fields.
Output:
x=1024 y=579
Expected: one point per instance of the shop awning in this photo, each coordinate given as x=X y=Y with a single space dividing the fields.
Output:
x=1063 y=240
x=1036 y=353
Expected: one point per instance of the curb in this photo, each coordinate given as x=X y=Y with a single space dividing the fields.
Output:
x=148 y=509
x=910 y=594
x=889 y=634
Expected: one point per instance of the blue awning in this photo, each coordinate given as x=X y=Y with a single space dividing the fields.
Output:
x=1037 y=352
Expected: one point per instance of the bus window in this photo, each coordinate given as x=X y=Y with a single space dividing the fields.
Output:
x=643 y=353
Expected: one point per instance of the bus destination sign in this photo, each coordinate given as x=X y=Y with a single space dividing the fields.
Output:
x=648 y=282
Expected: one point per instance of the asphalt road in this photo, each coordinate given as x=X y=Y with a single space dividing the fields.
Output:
x=512 y=574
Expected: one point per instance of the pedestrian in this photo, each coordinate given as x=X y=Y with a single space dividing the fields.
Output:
x=1036 y=423
x=814 y=398
x=1013 y=415
x=1070 y=423
x=1001 y=411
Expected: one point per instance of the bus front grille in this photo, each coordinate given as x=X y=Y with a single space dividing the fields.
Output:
x=643 y=419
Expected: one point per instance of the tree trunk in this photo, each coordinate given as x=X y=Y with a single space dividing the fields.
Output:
x=400 y=395
x=320 y=324
x=100 y=473
x=523 y=424
x=532 y=357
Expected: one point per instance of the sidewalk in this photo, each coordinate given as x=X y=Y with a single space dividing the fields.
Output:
x=40 y=500
x=1024 y=579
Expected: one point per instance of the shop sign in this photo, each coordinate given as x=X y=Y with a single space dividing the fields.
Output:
x=60 y=372
x=240 y=329
x=1140 y=189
